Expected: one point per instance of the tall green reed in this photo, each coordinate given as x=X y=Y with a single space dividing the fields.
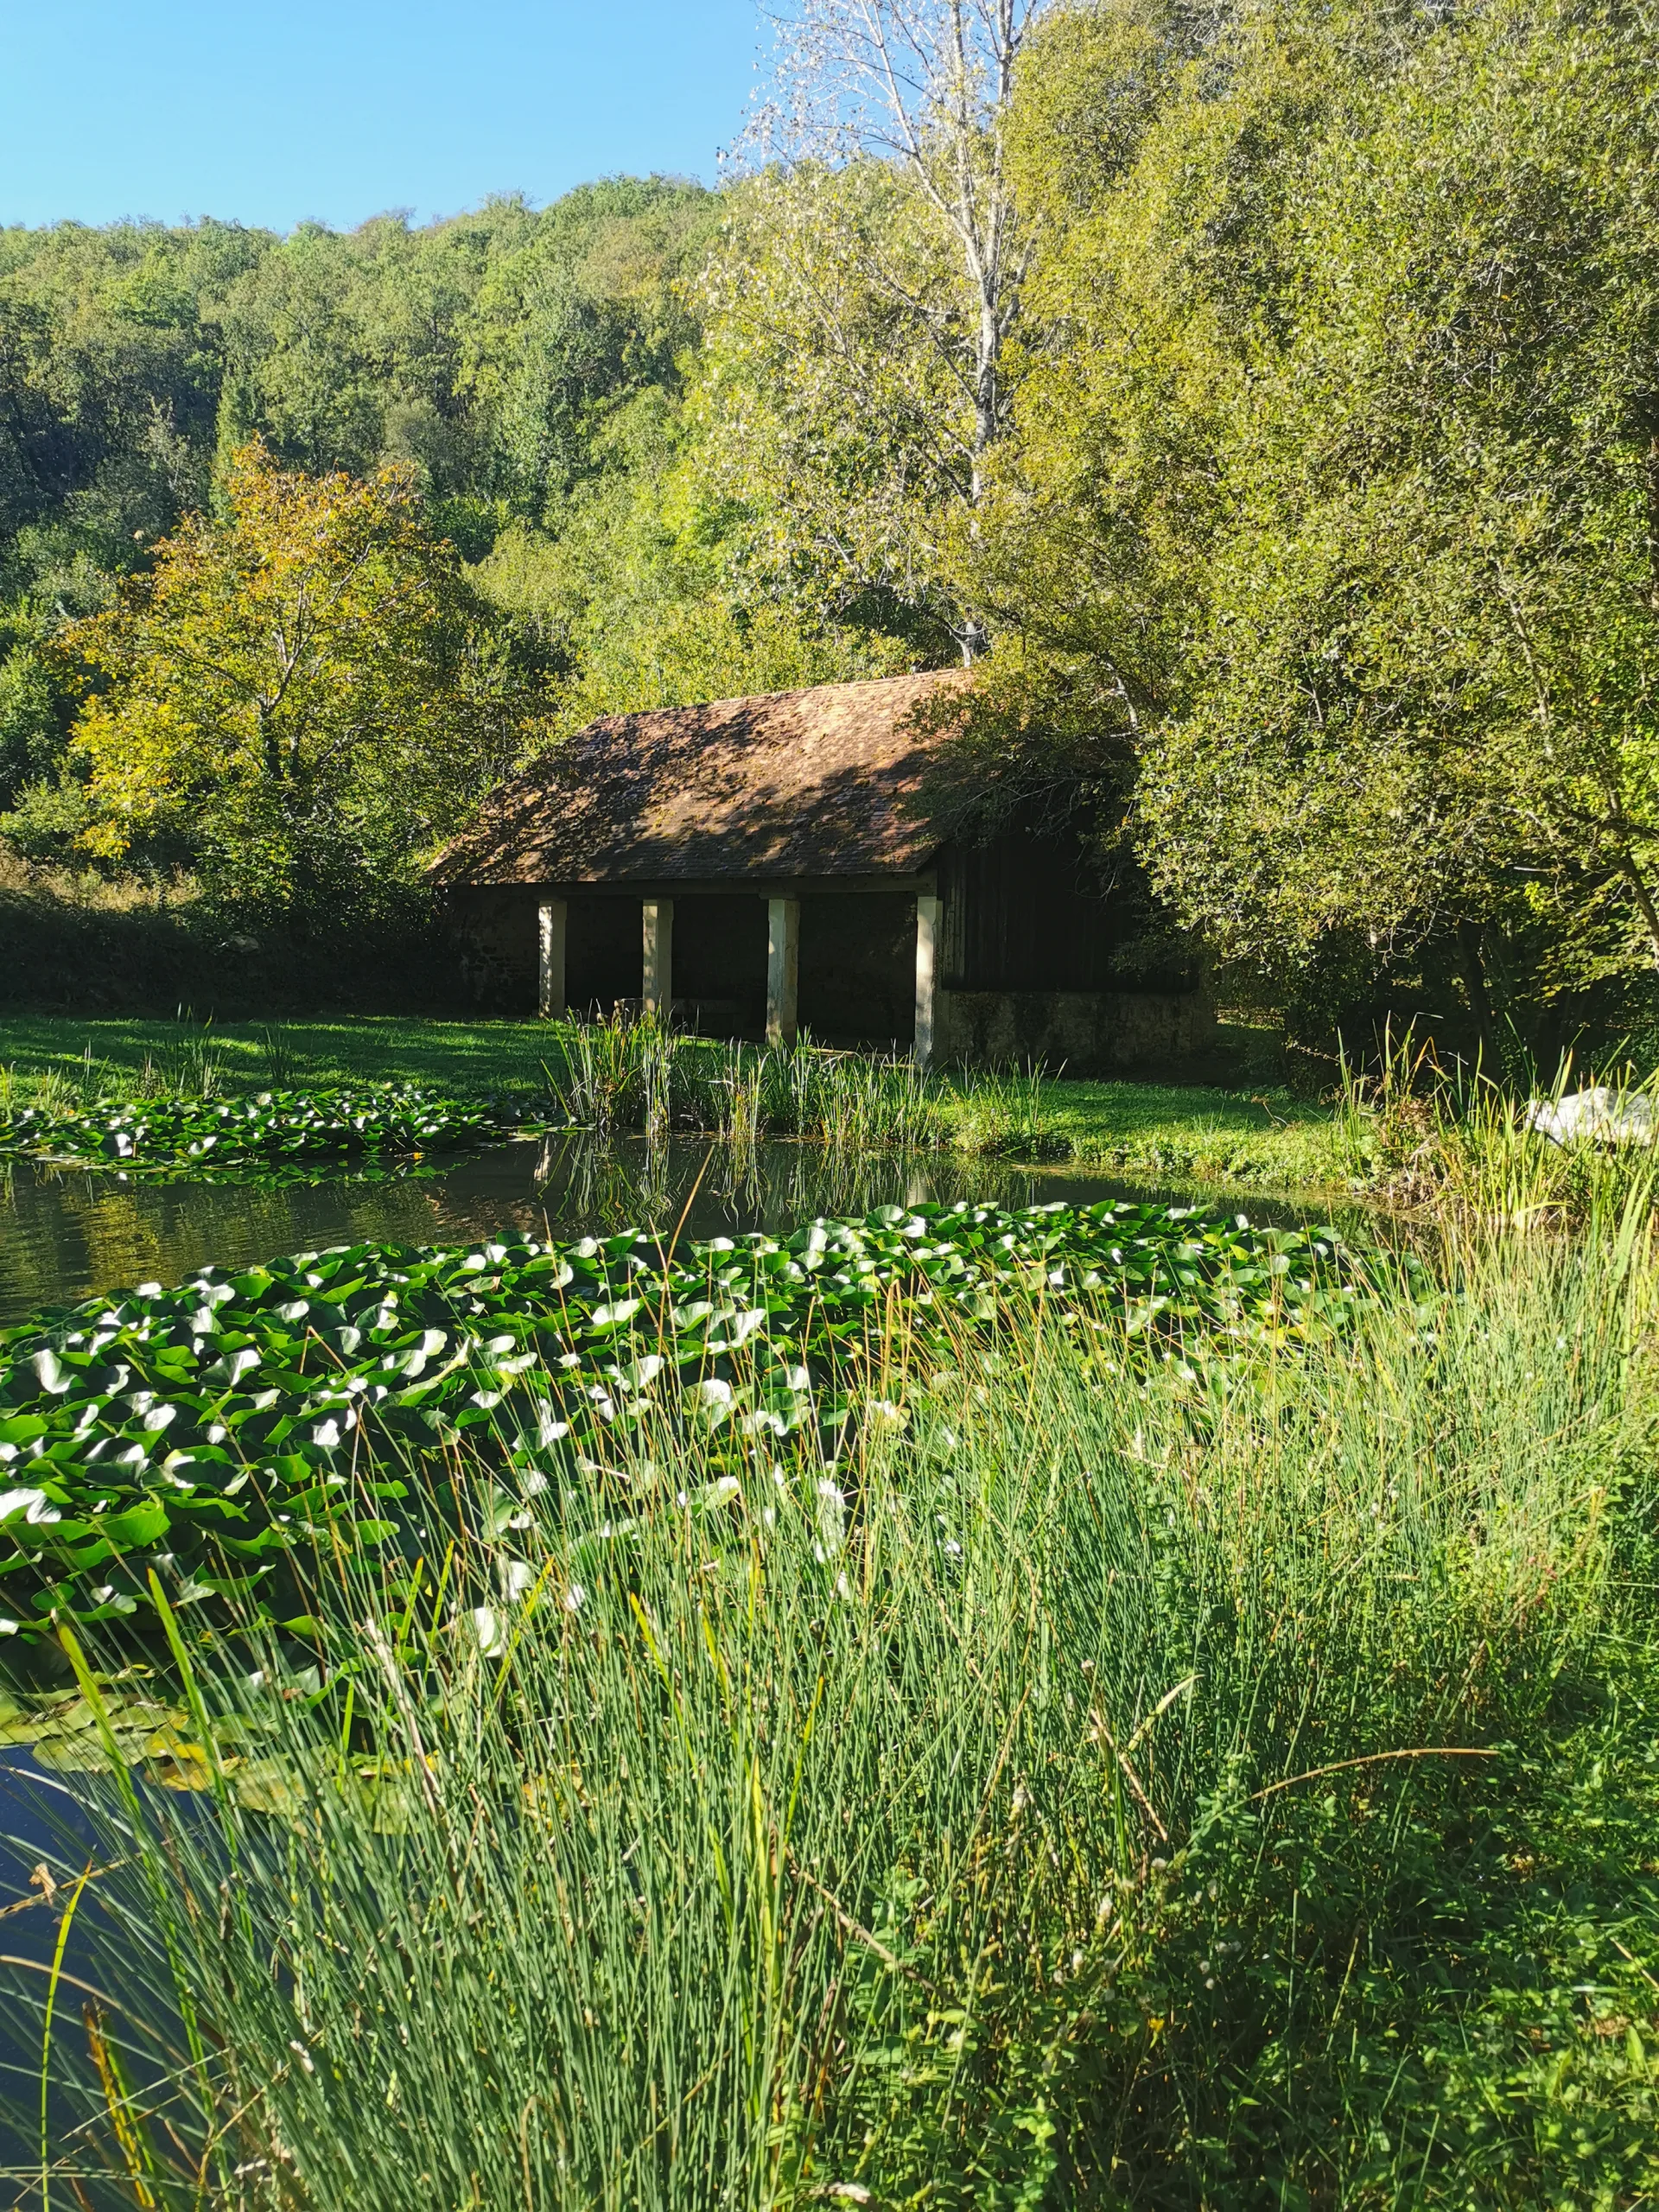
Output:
x=635 y=1072
x=1452 y=1138
x=735 y=1827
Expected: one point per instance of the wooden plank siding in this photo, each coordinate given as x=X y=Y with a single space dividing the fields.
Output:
x=1024 y=913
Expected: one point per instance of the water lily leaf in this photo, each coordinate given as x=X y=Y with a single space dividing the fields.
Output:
x=193 y=1771
x=141 y=1525
x=73 y=1754
x=269 y=1786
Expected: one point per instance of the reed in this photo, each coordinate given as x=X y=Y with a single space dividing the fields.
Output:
x=759 y=1829
x=634 y=1072
x=1437 y=1139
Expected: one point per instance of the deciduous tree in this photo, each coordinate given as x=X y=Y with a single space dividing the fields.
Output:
x=1424 y=696
x=306 y=683
x=858 y=370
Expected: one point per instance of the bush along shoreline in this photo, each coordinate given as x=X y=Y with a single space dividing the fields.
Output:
x=220 y=1433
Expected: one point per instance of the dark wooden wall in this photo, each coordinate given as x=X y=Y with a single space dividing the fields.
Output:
x=1025 y=914
x=857 y=971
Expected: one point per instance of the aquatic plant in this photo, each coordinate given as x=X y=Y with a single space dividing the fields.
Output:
x=198 y=1135
x=635 y=1072
x=1079 y=1792
x=226 y=1433
x=1451 y=1138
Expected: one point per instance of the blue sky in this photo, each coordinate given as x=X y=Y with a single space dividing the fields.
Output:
x=336 y=110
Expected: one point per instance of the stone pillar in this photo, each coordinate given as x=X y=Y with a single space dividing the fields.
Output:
x=928 y=913
x=783 y=970
x=549 y=918
x=657 y=986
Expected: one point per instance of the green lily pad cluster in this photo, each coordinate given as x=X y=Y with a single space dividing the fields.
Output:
x=137 y=1723
x=224 y=1434
x=270 y=1129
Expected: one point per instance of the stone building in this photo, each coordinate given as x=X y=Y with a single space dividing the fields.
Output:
x=757 y=864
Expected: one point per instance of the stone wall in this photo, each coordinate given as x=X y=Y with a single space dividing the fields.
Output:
x=494 y=931
x=1088 y=1032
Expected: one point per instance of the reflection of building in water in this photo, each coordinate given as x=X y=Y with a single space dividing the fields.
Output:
x=804 y=858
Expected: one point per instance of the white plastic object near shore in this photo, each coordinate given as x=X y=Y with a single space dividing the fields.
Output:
x=1598 y=1115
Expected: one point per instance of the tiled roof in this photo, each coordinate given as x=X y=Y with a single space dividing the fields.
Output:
x=820 y=783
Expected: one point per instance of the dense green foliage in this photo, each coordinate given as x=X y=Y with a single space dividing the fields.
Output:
x=1334 y=502
x=522 y=374
x=490 y=352
x=210 y=1432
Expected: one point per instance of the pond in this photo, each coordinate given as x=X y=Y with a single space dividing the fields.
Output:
x=65 y=1234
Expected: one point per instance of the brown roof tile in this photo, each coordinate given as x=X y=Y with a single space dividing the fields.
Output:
x=819 y=783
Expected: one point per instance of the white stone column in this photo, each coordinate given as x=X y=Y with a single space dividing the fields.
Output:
x=550 y=920
x=928 y=912
x=657 y=987
x=782 y=970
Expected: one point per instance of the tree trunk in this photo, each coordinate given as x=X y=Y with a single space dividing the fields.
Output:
x=1644 y=903
x=986 y=351
x=1480 y=1001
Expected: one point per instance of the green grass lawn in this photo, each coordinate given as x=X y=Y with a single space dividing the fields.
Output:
x=461 y=1056
x=1190 y=1132
x=1171 y=1133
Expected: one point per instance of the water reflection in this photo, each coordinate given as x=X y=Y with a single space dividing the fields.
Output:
x=65 y=1234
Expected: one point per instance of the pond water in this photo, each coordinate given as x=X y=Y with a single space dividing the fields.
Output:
x=65 y=1235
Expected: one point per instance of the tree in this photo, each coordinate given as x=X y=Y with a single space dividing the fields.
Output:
x=864 y=307
x=494 y=353
x=637 y=602
x=1138 y=128
x=307 y=685
x=1322 y=540
x=1424 y=698
x=31 y=723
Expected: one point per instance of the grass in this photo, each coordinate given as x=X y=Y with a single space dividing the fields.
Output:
x=1434 y=1142
x=1169 y=1134
x=1077 y=1790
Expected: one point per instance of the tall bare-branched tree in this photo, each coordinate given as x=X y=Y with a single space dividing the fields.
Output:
x=879 y=311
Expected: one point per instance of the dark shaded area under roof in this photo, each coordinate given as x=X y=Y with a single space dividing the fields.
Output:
x=824 y=782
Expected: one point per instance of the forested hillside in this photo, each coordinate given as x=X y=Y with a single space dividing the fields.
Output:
x=1262 y=399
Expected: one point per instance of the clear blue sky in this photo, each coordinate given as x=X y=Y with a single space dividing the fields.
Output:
x=275 y=112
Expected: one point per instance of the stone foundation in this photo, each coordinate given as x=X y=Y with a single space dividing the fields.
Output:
x=1088 y=1032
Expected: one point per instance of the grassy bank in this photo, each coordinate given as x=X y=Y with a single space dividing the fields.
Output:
x=1157 y=1133
x=1082 y=1783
